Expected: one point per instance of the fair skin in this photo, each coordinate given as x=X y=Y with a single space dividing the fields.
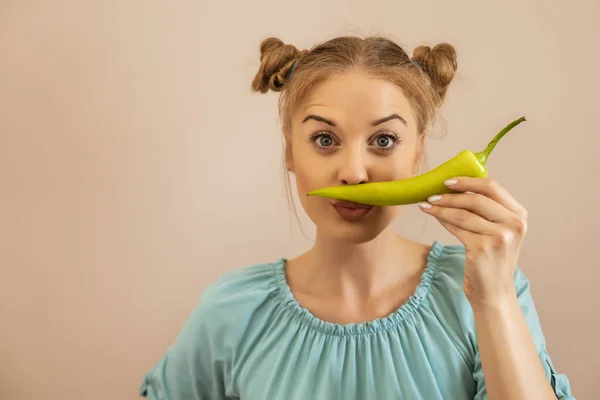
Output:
x=360 y=270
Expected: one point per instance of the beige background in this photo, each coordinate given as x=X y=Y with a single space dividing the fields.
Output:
x=136 y=166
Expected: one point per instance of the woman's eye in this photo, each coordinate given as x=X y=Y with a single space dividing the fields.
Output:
x=324 y=141
x=384 y=142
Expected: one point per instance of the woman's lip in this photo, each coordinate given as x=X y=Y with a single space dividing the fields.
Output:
x=351 y=212
x=350 y=204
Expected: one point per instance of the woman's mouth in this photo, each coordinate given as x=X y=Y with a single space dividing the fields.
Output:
x=350 y=211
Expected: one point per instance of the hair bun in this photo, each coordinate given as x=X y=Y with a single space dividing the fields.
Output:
x=276 y=61
x=439 y=63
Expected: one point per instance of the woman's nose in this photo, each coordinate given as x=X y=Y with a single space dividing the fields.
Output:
x=353 y=169
x=353 y=182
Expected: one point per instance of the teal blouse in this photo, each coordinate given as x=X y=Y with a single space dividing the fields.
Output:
x=248 y=338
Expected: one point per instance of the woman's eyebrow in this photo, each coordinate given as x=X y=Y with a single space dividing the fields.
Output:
x=374 y=123
x=320 y=119
x=388 y=118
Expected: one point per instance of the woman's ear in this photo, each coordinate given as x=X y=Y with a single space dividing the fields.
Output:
x=287 y=143
x=420 y=153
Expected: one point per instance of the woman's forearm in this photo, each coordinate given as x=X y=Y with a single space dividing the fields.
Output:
x=511 y=364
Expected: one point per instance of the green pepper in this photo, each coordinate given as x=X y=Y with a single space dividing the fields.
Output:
x=417 y=188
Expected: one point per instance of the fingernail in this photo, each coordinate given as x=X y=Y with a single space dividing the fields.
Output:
x=434 y=198
x=425 y=205
x=450 y=182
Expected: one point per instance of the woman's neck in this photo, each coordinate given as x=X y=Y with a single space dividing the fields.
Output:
x=360 y=271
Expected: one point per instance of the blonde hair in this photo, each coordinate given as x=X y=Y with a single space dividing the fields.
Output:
x=424 y=78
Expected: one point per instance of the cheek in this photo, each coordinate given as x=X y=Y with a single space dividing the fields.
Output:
x=407 y=160
x=302 y=187
x=310 y=173
x=400 y=165
x=315 y=207
x=308 y=177
x=309 y=169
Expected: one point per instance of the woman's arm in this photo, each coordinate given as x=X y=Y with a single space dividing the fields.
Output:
x=510 y=360
x=195 y=365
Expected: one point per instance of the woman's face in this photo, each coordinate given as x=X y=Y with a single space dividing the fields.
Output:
x=351 y=128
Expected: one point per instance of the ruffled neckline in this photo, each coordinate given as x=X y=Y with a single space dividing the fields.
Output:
x=390 y=321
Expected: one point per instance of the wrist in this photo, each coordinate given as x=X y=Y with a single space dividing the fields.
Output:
x=497 y=306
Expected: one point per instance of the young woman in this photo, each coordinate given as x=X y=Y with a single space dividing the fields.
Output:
x=366 y=314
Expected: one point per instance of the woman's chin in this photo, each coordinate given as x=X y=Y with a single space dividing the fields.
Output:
x=352 y=233
x=349 y=227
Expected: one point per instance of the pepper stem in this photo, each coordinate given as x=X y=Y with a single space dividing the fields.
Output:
x=482 y=156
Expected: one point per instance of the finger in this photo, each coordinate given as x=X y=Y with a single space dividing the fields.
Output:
x=460 y=218
x=476 y=203
x=464 y=236
x=489 y=188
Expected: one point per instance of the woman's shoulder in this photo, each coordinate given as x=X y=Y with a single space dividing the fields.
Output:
x=447 y=297
x=228 y=309
x=241 y=287
x=448 y=261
